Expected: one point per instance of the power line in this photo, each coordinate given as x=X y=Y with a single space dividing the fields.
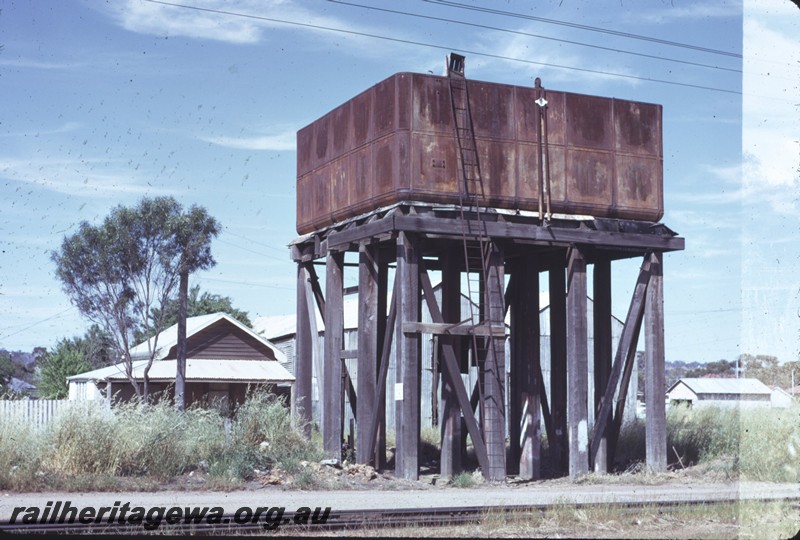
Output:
x=253 y=251
x=583 y=27
x=249 y=284
x=446 y=48
x=281 y=250
x=539 y=36
x=36 y=323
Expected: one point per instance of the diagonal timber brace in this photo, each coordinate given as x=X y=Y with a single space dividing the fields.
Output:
x=451 y=364
x=626 y=352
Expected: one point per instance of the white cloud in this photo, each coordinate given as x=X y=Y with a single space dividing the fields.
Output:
x=242 y=23
x=771 y=103
x=77 y=177
x=67 y=127
x=26 y=63
x=286 y=140
x=689 y=11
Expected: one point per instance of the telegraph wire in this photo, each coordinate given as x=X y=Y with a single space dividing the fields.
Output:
x=273 y=257
x=539 y=36
x=446 y=48
x=281 y=250
x=249 y=284
x=4 y=336
x=628 y=35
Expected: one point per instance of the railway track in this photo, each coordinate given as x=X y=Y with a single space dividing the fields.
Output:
x=343 y=520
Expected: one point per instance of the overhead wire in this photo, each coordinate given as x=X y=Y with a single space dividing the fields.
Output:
x=28 y=327
x=446 y=48
x=587 y=27
x=538 y=36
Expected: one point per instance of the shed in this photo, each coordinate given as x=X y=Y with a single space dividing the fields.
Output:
x=707 y=391
x=223 y=358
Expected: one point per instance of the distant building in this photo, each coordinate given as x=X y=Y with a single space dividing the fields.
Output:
x=22 y=388
x=704 y=392
x=780 y=398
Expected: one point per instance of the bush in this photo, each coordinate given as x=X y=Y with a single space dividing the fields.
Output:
x=82 y=441
x=159 y=441
x=20 y=455
x=263 y=433
x=90 y=445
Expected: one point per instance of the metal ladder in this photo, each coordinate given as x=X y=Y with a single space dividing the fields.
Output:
x=471 y=203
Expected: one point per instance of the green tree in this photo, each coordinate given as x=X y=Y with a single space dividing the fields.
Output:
x=6 y=370
x=120 y=274
x=203 y=304
x=720 y=367
x=67 y=358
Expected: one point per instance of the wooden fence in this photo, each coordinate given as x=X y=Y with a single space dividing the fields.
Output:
x=38 y=413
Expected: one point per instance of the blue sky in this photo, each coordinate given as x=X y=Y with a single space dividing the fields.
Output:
x=103 y=103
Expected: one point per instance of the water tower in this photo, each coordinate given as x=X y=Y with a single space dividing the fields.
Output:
x=491 y=186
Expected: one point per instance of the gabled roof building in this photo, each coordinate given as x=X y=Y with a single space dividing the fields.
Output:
x=223 y=358
x=703 y=391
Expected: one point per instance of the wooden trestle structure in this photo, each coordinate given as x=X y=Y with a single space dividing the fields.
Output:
x=414 y=238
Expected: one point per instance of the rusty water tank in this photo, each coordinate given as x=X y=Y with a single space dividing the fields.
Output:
x=396 y=142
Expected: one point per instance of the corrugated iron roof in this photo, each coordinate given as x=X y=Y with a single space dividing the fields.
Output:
x=704 y=385
x=211 y=370
x=102 y=373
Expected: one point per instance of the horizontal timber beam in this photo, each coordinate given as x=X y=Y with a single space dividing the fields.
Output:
x=453 y=329
x=554 y=236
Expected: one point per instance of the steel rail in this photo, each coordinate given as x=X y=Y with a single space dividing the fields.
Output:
x=343 y=520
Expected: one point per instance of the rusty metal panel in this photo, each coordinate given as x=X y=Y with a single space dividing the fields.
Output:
x=498 y=170
x=396 y=142
x=588 y=121
x=589 y=179
x=638 y=187
x=638 y=128
x=492 y=107
x=434 y=166
x=432 y=111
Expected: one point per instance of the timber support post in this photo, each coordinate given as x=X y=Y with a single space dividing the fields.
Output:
x=603 y=346
x=494 y=368
x=558 y=370
x=656 y=428
x=525 y=396
x=450 y=459
x=332 y=369
x=303 y=358
x=577 y=365
x=407 y=366
x=366 y=387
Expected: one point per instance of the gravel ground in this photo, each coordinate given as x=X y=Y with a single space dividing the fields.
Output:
x=531 y=493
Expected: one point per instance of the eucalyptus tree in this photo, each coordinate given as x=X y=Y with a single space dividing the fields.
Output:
x=121 y=273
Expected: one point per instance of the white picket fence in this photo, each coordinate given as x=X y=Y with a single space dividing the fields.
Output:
x=38 y=413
